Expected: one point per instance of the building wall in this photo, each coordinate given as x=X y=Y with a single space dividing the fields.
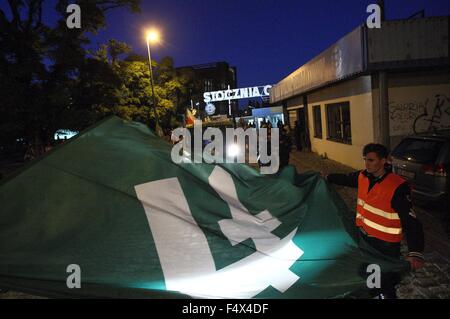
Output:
x=358 y=92
x=413 y=95
x=409 y=95
x=218 y=75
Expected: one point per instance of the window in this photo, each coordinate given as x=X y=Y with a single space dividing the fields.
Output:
x=338 y=121
x=317 y=121
x=292 y=118
x=208 y=85
x=424 y=151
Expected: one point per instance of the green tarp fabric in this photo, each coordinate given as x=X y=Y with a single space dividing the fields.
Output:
x=112 y=202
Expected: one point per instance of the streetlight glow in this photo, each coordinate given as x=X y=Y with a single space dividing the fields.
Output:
x=233 y=150
x=152 y=36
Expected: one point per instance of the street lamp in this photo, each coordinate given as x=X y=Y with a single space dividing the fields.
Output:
x=152 y=36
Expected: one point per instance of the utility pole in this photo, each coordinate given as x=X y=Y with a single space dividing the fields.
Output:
x=381 y=5
x=383 y=98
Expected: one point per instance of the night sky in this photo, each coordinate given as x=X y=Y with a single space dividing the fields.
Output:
x=265 y=39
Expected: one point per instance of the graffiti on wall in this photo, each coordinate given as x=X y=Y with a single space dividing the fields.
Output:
x=434 y=118
x=429 y=115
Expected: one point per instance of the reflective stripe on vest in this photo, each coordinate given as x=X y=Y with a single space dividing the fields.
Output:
x=374 y=212
x=377 y=211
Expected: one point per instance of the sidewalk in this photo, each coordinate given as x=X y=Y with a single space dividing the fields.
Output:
x=433 y=280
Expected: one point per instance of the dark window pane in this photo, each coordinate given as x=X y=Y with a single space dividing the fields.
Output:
x=418 y=150
x=346 y=127
x=338 y=120
x=317 y=122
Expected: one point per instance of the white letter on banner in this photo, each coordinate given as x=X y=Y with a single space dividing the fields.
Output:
x=184 y=253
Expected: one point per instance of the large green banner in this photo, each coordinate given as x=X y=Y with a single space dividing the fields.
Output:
x=110 y=207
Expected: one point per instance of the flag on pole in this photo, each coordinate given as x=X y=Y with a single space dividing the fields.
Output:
x=190 y=118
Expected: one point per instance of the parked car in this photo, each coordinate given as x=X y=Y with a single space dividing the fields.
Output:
x=425 y=161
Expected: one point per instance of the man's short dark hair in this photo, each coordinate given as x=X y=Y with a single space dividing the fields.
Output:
x=378 y=149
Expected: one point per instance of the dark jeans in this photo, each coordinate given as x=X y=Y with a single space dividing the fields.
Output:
x=388 y=279
x=447 y=215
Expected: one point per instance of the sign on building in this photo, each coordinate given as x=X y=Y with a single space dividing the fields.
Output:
x=210 y=109
x=235 y=94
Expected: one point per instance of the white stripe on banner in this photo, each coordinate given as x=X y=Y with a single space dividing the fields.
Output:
x=185 y=256
x=182 y=246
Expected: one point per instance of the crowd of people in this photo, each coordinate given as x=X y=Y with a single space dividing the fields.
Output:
x=285 y=142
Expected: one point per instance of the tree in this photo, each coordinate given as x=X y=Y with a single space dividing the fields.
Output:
x=135 y=94
x=116 y=49
x=193 y=87
x=44 y=78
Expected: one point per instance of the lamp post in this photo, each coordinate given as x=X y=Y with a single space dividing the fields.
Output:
x=152 y=36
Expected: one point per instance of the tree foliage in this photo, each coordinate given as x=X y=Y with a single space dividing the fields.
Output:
x=132 y=98
x=50 y=81
x=47 y=78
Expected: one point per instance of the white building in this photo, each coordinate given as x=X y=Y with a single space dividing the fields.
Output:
x=372 y=85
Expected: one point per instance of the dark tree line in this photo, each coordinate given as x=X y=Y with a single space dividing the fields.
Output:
x=50 y=81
